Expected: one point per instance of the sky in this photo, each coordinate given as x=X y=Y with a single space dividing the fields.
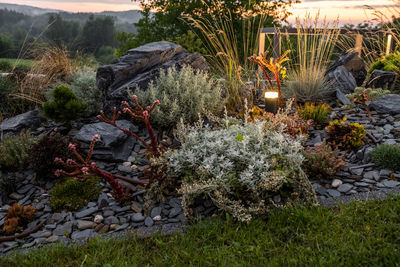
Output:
x=348 y=11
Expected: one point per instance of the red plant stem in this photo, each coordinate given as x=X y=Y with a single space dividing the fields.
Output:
x=130 y=180
x=117 y=188
x=152 y=137
x=131 y=133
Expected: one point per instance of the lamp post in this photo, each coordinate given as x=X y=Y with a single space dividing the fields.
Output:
x=271 y=101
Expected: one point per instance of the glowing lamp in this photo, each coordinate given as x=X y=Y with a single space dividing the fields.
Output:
x=271 y=101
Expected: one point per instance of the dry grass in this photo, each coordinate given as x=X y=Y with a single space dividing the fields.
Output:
x=51 y=64
x=228 y=52
x=315 y=44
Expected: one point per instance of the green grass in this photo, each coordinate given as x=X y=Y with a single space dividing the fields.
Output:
x=361 y=234
x=19 y=64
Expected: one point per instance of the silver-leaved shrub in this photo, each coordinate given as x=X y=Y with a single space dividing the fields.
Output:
x=241 y=168
x=83 y=84
x=184 y=93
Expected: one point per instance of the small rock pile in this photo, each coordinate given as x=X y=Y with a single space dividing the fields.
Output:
x=360 y=175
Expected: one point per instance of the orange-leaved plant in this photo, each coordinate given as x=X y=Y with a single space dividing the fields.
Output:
x=275 y=67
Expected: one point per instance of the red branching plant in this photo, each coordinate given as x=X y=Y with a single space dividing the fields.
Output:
x=155 y=173
x=85 y=167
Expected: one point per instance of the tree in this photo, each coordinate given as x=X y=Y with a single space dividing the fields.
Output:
x=62 y=32
x=6 y=46
x=98 y=32
x=168 y=21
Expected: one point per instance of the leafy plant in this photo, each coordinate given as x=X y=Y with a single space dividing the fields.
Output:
x=48 y=147
x=240 y=168
x=275 y=67
x=364 y=95
x=183 y=94
x=17 y=217
x=14 y=150
x=72 y=194
x=319 y=113
x=65 y=106
x=5 y=65
x=323 y=162
x=83 y=84
x=345 y=134
x=387 y=156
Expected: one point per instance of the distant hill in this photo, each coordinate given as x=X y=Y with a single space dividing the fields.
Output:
x=123 y=19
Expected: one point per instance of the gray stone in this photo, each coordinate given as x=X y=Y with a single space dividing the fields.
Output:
x=108 y=213
x=29 y=120
x=114 y=144
x=175 y=211
x=372 y=175
x=16 y=196
x=148 y=222
x=333 y=193
x=139 y=66
x=344 y=188
x=52 y=239
x=64 y=229
x=83 y=225
x=319 y=189
x=361 y=184
x=156 y=211
x=85 y=234
x=85 y=212
x=24 y=189
x=102 y=201
x=382 y=79
x=357 y=171
x=385 y=173
x=390 y=142
x=390 y=183
x=388 y=104
x=137 y=217
x=122 y=227
x=111 y=220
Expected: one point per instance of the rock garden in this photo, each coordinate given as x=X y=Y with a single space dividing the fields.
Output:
x=155 y=142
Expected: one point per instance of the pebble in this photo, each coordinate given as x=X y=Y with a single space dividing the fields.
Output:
x=85 y=212
x=390 y=183
x=111 y=220
x=148 y=222
x=156 y=211
x=98 y=218
x=83 y=225
x=344 y=188
x=336 y=183
x=333 y=193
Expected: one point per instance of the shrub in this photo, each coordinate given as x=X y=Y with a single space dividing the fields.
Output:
x=319 y=114
x=240 y=168
x=345 y=134
x=105 y=55
x=323 y=162
x=390 y=62
x=14 y=150
x=8 y=183
x=17 y=217
x=72 y=194
x=5 y=65
x=83 y=84
x=363 y=95
x=183 y=94
x=43 y=153
x=65 y=106
x=387 y=156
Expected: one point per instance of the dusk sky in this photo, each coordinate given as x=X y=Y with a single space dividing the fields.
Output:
x=348 y=11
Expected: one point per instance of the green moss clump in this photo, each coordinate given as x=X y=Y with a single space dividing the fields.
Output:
x=72 y=194
x=387 y=156
x=65 y=106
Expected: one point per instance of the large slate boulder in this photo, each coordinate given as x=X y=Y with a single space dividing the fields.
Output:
x=388 y=104
x=137 y=67
x=114 y=144
x=28 y=120
x=346 y=73
x=382 y=79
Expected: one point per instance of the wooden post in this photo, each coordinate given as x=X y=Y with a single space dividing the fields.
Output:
x=261 y=43
x=389 y=44
x=359 y=41
x=277 y=44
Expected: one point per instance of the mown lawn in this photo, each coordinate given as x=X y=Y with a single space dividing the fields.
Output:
x=361 y=234
x=20 y=64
